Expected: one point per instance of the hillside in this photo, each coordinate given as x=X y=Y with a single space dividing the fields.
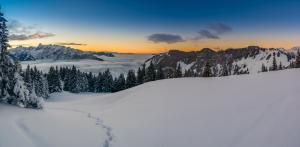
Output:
x=236 y=111
x=236 y=61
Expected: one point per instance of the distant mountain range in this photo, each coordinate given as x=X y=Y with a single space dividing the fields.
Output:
x=251 y=59
x=54 y=52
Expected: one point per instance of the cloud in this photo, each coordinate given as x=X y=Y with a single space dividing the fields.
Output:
x=220 y=28
x=207 y=34
x=20 y=31
x=213 y=31
x=70 y=43
x=165 y=38
x=38 y=35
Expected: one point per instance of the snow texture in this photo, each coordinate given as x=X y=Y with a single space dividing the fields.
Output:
x=256 y=110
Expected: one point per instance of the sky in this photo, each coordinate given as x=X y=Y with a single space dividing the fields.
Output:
x=153 y=26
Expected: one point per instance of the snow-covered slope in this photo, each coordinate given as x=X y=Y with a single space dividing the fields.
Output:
x=228 y=62
x=258 y=110
x=54 y=52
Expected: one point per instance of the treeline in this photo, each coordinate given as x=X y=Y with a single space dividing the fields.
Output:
x=75 y=81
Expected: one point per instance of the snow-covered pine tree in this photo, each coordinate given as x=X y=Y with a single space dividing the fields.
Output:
x=107 y=81
x=264 y=68
x=99 y=82
x=54 y=81
x=160 y=73
x=274 y=64
x=141 y=74
x=207 y=70
x=297 y=63
x=178 y=72
x=12 y=86
x=82 y=82
x=150 y=73
x=130 y=79
x=91 y=82
x=121 y=83
x=40 y=83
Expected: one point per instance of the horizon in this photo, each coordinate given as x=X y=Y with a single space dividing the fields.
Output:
x=153 y=27
x=176 y=49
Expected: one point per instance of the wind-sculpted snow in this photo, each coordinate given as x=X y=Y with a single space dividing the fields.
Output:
x=257 y=110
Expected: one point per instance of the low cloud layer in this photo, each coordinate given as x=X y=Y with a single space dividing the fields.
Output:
x=20 y=31
x=165 y=38
x=70 y=43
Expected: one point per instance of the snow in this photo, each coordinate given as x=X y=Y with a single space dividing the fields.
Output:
x=185 y=66
x=235 y=111
x=254 y=64
x=121 y=63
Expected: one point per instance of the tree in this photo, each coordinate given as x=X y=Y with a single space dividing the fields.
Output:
x=207 y=70
x=297 y=63
x=264 y=68
x=54 y=81
x=119 y=83
x=160 y=73
x=107 y=81
x=13 y=89
x=225 y=71
x=274 y=64
x=280 y=66
x=141 y=74
x=178 y=72
x=131 y=79
x=91 y=82
x=99 y=82
x=150 y=73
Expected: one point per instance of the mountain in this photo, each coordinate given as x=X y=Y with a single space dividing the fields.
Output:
x=54 y=52
x=225 y=62
x=258 y=110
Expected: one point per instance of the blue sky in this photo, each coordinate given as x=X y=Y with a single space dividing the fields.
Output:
x=112 y=24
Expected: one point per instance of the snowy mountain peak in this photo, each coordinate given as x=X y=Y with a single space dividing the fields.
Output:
x=225 y=62
x=53 y=52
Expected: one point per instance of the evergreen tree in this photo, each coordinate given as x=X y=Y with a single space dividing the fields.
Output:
x=264 y=68
x=297 y=63
x=207 y=70
x=225 y=71
x=91 y=82
x=72 y=81
x=131 y=79
x=274 y=65
x=12 y=86
x=150 y=73
x=119 y=83
x=107 y=81
x=99 y=83
x=178 y=72
x=280 y=66
x=160 y=74
x=141 y=75
x=39 y=83
x=54 y=82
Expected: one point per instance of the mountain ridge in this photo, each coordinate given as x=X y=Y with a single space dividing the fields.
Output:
x=54 y=52
x=231 y=61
